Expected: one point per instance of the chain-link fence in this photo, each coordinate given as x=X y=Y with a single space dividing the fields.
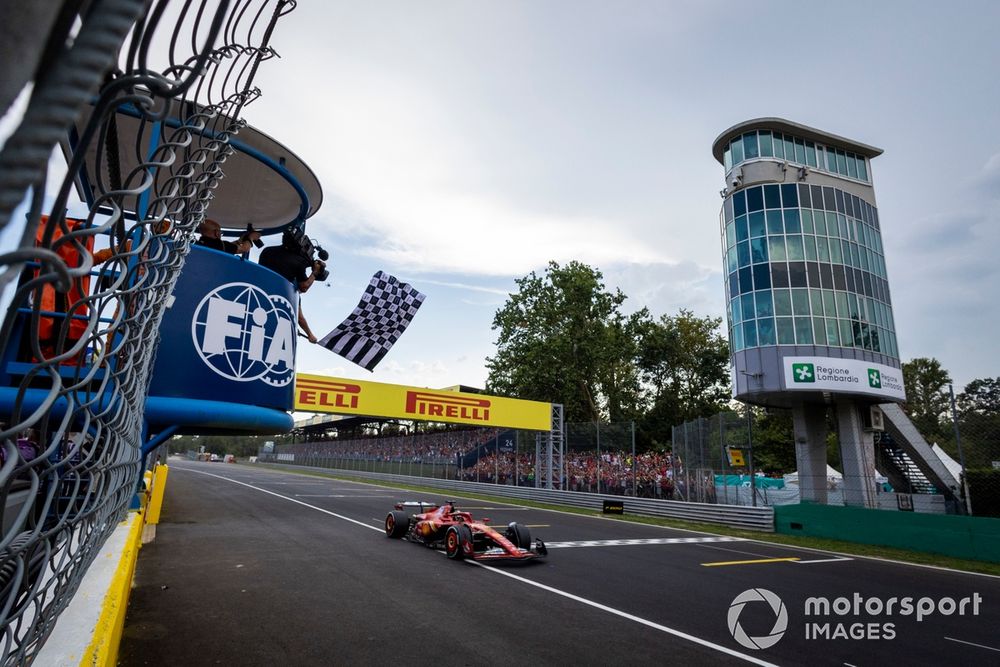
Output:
x=601 y=458
x=712 y=460
x=77 y=342
x=485 y=455
x=597 y=458
x=973 y=443
x=723 y=458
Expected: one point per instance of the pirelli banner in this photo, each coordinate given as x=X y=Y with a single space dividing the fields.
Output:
x=317 y=393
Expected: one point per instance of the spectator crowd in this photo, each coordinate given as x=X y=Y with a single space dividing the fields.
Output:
x=442 y=447
x=659 y=475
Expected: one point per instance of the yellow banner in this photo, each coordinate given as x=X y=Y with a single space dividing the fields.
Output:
x=316 y=393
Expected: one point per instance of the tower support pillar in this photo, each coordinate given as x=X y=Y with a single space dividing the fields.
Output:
x=809 y=427
x=857 y=453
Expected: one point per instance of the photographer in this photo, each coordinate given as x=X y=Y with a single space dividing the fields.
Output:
x=211 y=237
x=291 y=260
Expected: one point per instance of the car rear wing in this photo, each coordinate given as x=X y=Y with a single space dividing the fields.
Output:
x=419 y=505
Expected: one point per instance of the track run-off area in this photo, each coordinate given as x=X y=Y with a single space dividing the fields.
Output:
x=255 y=566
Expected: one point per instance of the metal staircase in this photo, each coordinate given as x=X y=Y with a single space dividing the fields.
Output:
x=915 y=463
x=904 y=474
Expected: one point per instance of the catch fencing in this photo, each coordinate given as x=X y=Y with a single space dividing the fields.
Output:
x=752 y=518
x=971 y=439
x=599 y=460
x=81 y=321
x=713 y=462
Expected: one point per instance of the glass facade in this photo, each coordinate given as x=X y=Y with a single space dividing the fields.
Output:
x=767 y=144
x=805 y=266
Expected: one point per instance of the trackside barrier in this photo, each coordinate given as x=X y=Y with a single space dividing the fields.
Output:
x=103 y=648
x=736 y=516
x=156 y=491
x=109 y=582
x=969 y=537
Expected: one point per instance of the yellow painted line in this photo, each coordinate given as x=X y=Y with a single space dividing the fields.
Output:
x=103 y=648
x=749 y=562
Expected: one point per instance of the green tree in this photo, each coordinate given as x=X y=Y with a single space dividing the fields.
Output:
x=685 y=362
x=979 y=423
x=981 y=396
x=562 y=338
x=927 y=399
x=773 y=441
x=619 y=375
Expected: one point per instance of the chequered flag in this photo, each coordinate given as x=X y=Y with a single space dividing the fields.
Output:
x=386 y=308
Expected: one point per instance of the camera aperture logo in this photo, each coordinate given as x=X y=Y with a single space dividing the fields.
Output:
x=245 y=334
x=771 y=602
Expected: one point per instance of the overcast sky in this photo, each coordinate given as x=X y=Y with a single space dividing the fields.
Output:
x=461 y=145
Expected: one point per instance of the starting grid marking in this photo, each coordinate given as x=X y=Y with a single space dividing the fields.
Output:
x=630 y=543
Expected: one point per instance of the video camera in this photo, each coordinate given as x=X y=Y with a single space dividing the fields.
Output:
x=296 y=241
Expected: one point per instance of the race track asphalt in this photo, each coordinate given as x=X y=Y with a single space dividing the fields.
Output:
x=253 y=566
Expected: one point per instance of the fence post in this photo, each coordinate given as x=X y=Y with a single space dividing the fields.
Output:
x=687 y=466
x=635 y=466
x=702 y=491
x=597 y=426
x=725 y=459
x=753 y=477
x=961 y=453
x=517 y=457
x=673 y=462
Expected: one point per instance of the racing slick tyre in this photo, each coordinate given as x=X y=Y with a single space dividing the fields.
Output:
x=396 y=524
x=456 y=540
x=519 y=535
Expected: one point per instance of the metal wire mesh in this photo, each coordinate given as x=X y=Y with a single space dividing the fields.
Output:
x=701 y=465
x=79 y=342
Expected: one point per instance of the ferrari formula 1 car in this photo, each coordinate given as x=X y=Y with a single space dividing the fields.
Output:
x=444 y=527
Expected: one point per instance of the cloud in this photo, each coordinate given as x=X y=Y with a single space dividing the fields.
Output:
x=457 y=159
x=479 y=141
x=943 y=293
x=666 y=287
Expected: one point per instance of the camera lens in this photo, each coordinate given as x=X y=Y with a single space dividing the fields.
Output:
x=323 y=274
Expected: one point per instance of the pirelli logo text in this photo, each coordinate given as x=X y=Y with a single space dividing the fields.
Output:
x=326 y=394
x=450 y=405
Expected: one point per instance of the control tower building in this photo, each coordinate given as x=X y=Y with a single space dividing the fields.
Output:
x=809 y=308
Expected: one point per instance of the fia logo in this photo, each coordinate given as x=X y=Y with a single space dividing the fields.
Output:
x=245 y=334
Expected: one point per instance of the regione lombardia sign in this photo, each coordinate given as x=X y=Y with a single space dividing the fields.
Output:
x=843 y=375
